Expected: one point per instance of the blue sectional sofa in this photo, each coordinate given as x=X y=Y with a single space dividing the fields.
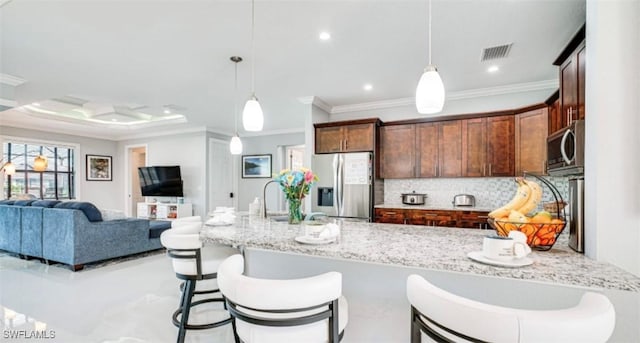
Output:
x=72 y=232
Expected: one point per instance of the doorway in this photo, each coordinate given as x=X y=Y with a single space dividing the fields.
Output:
x=221 y=171
x=136 y=157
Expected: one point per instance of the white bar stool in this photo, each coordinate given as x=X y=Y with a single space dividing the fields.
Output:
x=268 y=311
x=446 y=317
x=192 y=263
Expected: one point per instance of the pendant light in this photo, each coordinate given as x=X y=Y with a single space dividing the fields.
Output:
x=40 y=163
x=8 y=168
x=235 y=146
x=252 y=117
x=430 y=90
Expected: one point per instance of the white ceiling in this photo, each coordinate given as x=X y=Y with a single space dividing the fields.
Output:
x=147 y=54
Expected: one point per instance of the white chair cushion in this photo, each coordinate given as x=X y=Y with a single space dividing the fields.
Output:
x=187 y=227
x=314 y=332
x=211 y=255
x=281 y=294
x=592 y=320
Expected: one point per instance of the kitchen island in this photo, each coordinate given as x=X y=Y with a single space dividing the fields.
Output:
x=375 y=260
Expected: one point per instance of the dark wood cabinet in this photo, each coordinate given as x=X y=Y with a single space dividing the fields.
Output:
x=553 y=110
x=398 y=151
x=426 y=217
x=450 y=148
x=572 y=81
x=531 y=141
x=351 y=136
x=500 y=156
x=488 y=146
x=389 y=216
x=427 y=149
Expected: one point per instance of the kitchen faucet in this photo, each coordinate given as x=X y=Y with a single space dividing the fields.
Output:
x=264 y=198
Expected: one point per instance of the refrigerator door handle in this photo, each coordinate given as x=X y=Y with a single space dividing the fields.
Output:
x=340 y=185
x=336 y=172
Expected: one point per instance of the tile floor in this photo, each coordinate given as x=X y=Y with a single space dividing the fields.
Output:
x=131 y=301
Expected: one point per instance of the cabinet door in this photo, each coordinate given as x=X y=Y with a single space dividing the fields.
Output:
x=444 y=218
x=473 y=220
x=358 y=137
x=328 y=140
x=500 y=148
x=568 y=90
x=417 y=217
x=427 y=149
x=531 y=141
x=397 y=153
x=389 y=216
x=450 y=149
x=555 y=118
x=581 y=59
x=474 y=147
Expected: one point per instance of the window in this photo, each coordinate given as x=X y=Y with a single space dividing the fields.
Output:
x=56 y=182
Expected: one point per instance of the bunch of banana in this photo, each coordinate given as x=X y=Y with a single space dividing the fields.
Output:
x=525 y=200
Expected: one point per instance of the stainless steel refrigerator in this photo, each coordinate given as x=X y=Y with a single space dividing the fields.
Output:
x=345 y=185
x=576 y=222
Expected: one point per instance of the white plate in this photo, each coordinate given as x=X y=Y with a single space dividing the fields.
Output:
x=478 y=257
x=218 y=224
x=313 y=240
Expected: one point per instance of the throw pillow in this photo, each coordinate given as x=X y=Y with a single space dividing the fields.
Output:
x=45 y=203
x=90 y=210
x=108 y=214
x=23 y=202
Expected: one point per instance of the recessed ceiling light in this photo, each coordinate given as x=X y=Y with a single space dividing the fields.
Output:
x=114 y=119
x=36 y=104
x=493 y=69
x=325 y=35
x=368 y=87
x=167 y=111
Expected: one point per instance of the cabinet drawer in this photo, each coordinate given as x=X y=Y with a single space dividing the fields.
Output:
x=389 y=216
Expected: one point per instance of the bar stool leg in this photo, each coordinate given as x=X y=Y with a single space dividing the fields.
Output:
x=187 y=294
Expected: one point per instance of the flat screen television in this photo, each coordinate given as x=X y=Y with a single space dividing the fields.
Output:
x=161 y=181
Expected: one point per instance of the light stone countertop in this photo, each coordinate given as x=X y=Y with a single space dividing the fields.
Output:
x=435 y=207
x=435 y=248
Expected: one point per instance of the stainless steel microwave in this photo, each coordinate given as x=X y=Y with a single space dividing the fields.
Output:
x=565 y=150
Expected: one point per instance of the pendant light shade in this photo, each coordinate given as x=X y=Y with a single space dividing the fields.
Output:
x=252 y=117
x=235 y=146
x=430 y=92
x=9 y=168
x=40 y=163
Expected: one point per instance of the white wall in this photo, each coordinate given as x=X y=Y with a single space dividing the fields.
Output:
x=612 y=194
x=248 y=189
x=189 y=151
x=104 y=194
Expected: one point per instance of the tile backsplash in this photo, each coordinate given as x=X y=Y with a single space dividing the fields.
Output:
x=489 y=192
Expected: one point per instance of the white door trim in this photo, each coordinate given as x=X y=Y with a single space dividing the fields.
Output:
x=127 y=175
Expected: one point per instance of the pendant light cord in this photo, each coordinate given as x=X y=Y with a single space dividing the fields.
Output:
x=429 y=32
x=235 y=100
x=253 y=51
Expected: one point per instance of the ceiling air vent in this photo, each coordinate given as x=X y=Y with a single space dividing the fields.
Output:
x=495 y=52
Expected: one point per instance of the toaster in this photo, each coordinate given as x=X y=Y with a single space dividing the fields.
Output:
x=464 y=200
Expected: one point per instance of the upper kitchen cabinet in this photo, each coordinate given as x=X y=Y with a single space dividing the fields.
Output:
x=421 y=150
x=348 y=136
x=553 y=112
x=531 y=141
x=398 y=151
x=450 y=151
x=572 y=80
x=488 y=146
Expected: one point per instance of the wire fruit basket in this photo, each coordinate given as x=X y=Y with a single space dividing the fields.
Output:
x=541 y=234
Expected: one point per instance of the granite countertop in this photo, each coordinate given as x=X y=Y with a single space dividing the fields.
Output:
x=435 y=248
x=436 y=207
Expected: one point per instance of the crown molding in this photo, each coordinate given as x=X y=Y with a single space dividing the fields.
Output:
x=11 y=80
x=316 y=101
x=467 y=94
x=142 y=134
x=273 y=132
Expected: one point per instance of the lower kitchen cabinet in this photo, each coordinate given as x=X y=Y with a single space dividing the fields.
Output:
x=447 y=218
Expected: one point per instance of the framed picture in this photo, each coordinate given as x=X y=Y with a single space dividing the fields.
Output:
x=256 y=166
x=99 y=168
